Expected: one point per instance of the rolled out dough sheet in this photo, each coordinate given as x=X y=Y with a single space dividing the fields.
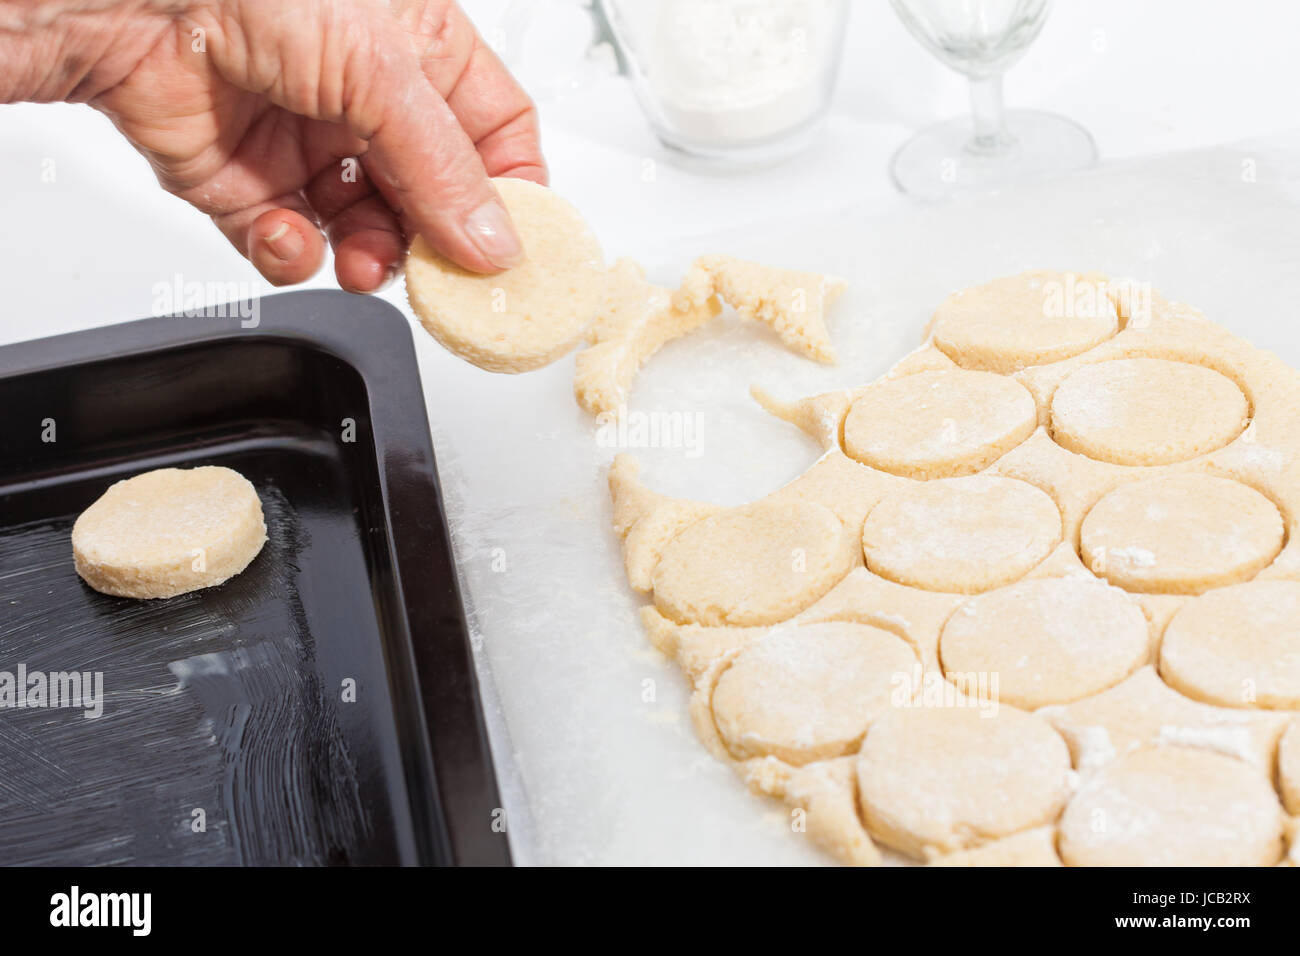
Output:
x=597 y=764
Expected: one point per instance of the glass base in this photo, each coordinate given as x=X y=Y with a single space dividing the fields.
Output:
x=944 y=161
x=741 y=157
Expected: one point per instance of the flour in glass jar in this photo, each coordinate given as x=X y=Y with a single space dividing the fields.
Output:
x=737 y=71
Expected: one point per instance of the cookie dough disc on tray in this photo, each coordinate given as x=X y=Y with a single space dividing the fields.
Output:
x=938 y=424
x=1173 y=806
x=1238 y=646
x=169 y=531
x=1181 y=534
x=529 y=315
x=803 y=693
x=961 y=535
x=1030 y=319
x=1146 y=411
x=940 y=779
x=1050 y=641
x=753 y=565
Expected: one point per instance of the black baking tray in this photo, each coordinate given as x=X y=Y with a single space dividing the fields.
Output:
x=228 y=735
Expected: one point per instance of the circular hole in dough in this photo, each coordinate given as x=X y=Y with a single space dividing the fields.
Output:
x=948 y=778
x=1030 y=319
x=529 y=315
x=169 y=531
x=1182 y=534
x=1146 y=411
x=961 y=535
x=803 y=693
x=1049 y=641
x=939 y=424
x=1173 y=806
x=754 y=565
x=1237 y=647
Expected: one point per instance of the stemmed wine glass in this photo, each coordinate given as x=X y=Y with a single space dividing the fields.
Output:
x=993 y=147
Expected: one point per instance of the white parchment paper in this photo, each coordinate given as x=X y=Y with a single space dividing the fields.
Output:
x=598 y=760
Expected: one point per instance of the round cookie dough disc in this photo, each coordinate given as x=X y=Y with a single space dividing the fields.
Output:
x=803 y=693
x=1237 y=647
x=938 y=424
x=1182 y=534
x=1146 y=411
x=529 y=315
x=169 y=531
x=758 y=564
x=1030 y=319
x=961 y=535
x=947 y=778
x=1050 y=641
x=1173 y=806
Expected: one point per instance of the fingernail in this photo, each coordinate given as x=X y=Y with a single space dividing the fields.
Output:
x=285 y=242
x=489 y=228
x=390 y=274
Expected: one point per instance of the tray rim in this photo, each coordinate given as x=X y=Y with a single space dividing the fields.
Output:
x=439 y=669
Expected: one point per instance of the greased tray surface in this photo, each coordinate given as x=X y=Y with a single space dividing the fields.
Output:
x=230 y=733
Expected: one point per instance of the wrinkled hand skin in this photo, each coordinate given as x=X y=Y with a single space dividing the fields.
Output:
x=253 y=110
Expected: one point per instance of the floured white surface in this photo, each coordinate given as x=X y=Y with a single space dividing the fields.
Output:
x=592 y=771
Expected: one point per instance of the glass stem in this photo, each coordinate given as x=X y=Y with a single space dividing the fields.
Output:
x=989 y=120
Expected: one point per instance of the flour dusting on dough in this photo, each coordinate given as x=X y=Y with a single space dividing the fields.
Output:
x=1058 y=569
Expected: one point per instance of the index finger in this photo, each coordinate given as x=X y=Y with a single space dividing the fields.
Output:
x=492 y=108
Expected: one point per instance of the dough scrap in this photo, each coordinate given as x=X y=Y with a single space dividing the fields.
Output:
x=758 y=564
x=1025 y=320
x=805 y=693
x=791 y=302
x=820 y=416
x=169 y=531
x=961 y=535
x=1050 y=640
x=695 y=647
x=841 y=484
x=1238 y=646
x=938 y=424
x=647 y=521
x=639 y=319
x=1146 y=411
x=914 y=615
x=940 y=779
x=1288 y=767
x=1036 y=847
x=527 y=316
x=1143 y=711
x=1181 y=534
x=1173 y=806
x=827 y=793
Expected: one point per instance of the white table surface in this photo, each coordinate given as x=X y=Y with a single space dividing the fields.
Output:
x=89 y=248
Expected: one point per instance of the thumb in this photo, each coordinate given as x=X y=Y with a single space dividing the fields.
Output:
x=429 y=171
x=423 y=162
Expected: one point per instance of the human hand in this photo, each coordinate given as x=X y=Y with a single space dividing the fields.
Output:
x=279 y=118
